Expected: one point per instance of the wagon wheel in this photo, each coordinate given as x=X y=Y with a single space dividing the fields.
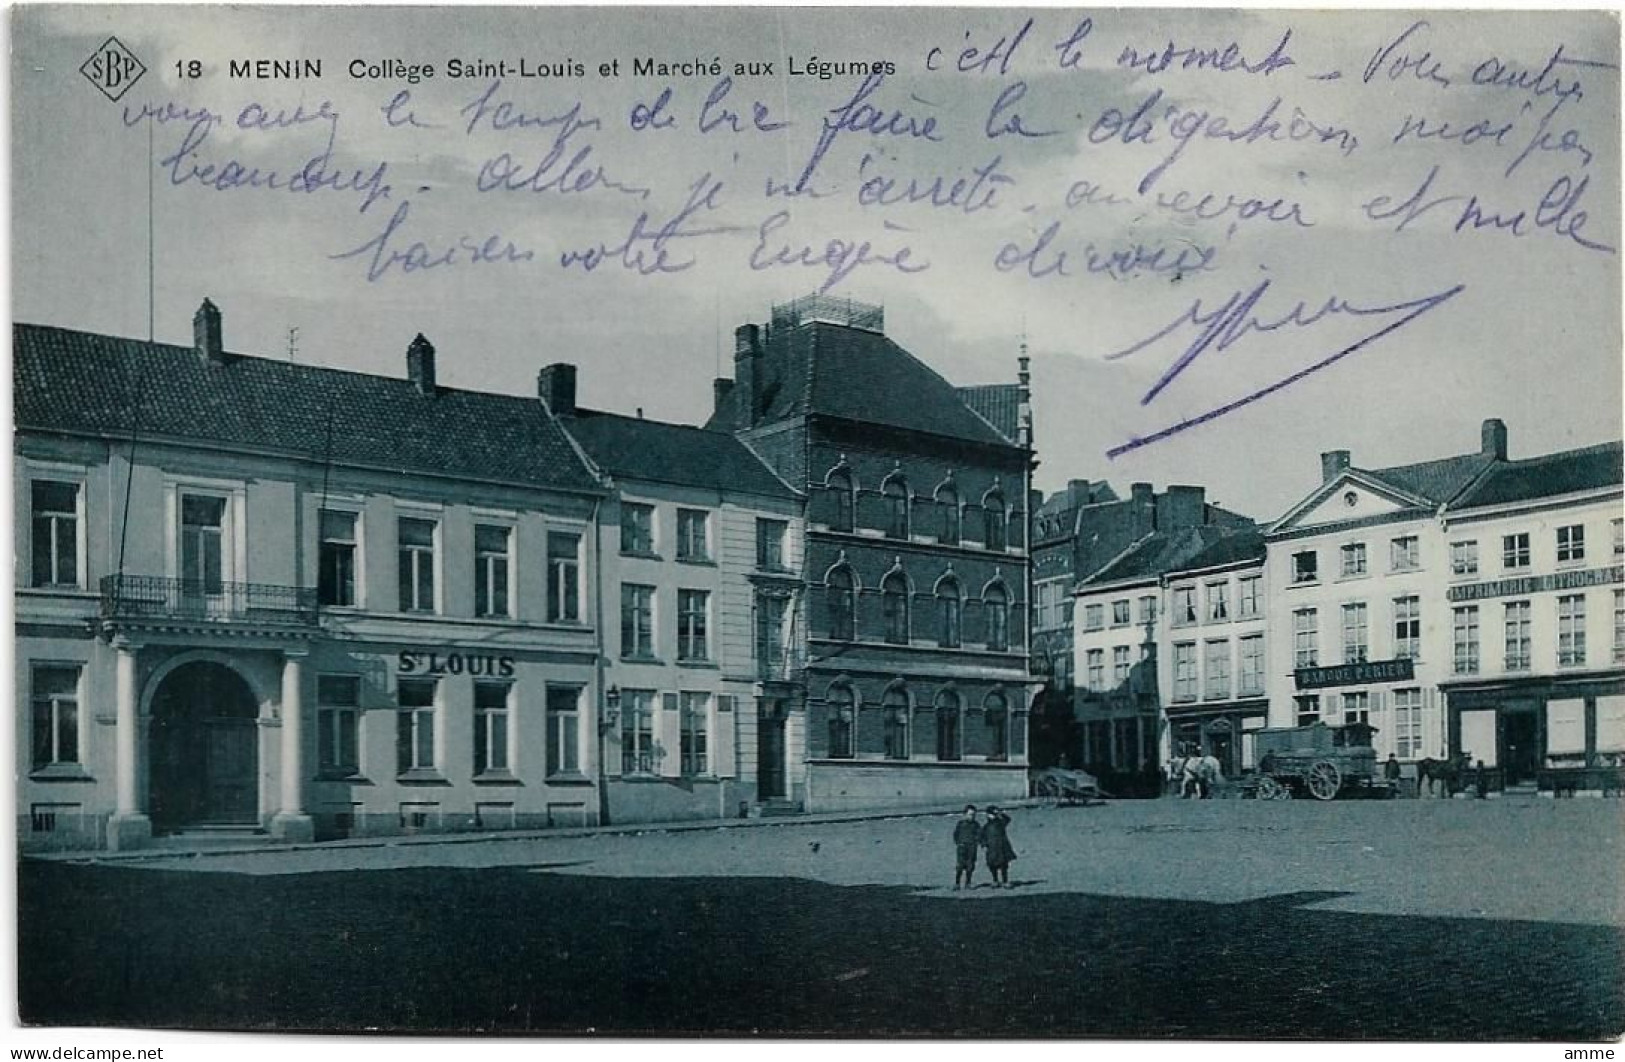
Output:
x=1323 y=780
x=1270 y=789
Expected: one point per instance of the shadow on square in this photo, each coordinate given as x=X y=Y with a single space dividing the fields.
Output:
x=526 y=950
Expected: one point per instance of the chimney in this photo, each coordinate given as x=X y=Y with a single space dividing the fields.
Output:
x=206 y=334
x=747 y=350
x=1142 y=509
x=556 y=387
x=420 y=364
x=1494 y=433
x=1180 y=508
x=1332 y=463
x=721 y=388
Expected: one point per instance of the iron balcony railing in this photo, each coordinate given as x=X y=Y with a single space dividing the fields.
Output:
x=157 y=597
x=782 y=666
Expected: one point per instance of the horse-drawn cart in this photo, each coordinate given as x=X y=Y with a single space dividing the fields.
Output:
x=1318 y=760
x=1066 y=786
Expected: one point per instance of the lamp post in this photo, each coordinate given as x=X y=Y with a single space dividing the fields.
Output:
x=608 y=720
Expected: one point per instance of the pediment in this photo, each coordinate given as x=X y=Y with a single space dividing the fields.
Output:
x=1349 y=497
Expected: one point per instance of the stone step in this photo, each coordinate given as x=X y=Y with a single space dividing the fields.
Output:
x=775 y=809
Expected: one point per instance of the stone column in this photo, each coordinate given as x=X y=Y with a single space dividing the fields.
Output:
x=291 y=823
x=129 y=827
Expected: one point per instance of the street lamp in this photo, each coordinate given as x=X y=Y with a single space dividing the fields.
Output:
x=608 y=720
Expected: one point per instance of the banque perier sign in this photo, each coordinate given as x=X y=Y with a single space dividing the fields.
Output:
x=1315 y=678
x=1534 y=584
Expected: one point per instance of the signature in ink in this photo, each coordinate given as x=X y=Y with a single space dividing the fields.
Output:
x=1223 y=326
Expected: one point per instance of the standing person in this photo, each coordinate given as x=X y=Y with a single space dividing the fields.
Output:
x=1176 y=772
x=967 y=833
x=1390 y=771
x=1192 y=783
x=996 y=839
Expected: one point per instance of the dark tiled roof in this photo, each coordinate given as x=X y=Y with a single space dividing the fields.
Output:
x=998 y=404
x=1548 y=476
x=1436 y=481
x=1157 y=554
x=633 y=448
x=838 y=371
x=1233 y=548
x=65 y=380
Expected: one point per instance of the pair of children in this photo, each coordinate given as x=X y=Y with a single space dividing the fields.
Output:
x=992 y=835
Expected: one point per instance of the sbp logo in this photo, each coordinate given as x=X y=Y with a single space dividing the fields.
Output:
x=113 y=68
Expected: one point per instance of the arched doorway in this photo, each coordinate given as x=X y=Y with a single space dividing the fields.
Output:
x=204 y=749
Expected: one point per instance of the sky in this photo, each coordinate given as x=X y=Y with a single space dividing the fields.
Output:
x=1307 y=231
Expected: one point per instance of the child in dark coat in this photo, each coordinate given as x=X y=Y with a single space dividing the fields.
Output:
x=996 y=839
x=967 y=832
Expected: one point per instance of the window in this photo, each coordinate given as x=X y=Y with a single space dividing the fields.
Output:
x=839 y=484
x=950 y=520
x=895 y=494
x=1217 y=668
x=203 y=522
x=1404 y=553
x=563 y=730
x=1571 y=630
x=416 y=544
x=996 y=716
x=1464 y=557
x=770 y=610
x=491 y=567
x=414 y=725
x=1354 y=559
x=1046 y=605
x=1619 y=626
x=1305 y=638
x=1184 y=671
x=948 y=603
x=1308 y=706
x=1408 y=724
x=840 y=596
x=491 y=727
x=693 y=608
x=1619 y=537
x=336 y=559
x=1218 y=602
x=1095 y=675
x=695 y=733
x=637 y=732
x=1356 y=707
x=637 y=620
x=1515 y=551
x=894 y=708
x=948 y=725
x=563 y=577
x=1184 y=605
x=993 y=521
x=1518 y=655
x=842 y=708
x=894 y=607
x=1120 y=613
x=1247 y=604
x=338 y=712
x=1571 y=543
x=637 y=528
x=55 y=533
x=1252 y=665
x=1122 y=664
x=693 y=535
x=1356 y=639
x=996 y=603
x=1305 y=566
x=55 y=695
x=1466 y=640
x=770 y=536
x=1407 y=628
x=1094 y=617
x=1148 y=610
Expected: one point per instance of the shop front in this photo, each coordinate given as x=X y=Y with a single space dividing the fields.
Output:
x=1561 y=735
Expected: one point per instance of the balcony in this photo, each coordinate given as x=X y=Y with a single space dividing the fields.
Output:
x=151 y=597
x=783 y=666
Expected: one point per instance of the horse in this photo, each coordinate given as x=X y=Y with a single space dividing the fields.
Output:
x=1451 y=772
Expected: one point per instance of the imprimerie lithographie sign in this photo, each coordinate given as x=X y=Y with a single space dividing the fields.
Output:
x=862 y=522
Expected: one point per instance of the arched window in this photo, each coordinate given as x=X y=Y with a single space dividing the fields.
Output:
x=948 y=610
x=996 y=717
x=843 y=706
x=895 y=707
x=948 y=710
x=948 y=514
x=895 y=493
x=840 y=590
x=993 y=520
x=996 y=609
x=894 y=605
x=839 y=484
